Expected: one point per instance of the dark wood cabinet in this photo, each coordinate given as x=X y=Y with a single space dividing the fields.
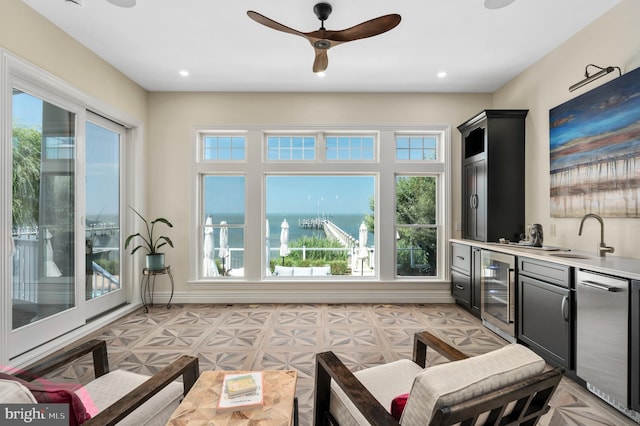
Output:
x=465 y=276
x=545 y=310
x=493 y=183
x=634 y=346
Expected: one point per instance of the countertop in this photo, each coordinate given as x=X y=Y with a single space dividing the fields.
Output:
x=625 y=267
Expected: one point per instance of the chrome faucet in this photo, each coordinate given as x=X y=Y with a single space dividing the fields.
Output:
x=602 y=248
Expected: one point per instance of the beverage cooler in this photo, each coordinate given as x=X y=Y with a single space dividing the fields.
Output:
x=497 y=282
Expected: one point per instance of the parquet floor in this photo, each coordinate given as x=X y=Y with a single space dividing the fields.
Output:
x=287 y=336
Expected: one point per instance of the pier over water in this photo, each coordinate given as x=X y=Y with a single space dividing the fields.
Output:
x=331 y=230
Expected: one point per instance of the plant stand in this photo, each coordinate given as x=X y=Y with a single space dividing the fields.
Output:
x=147 y=288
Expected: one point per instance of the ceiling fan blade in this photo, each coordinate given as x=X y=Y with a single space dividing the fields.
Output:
x=365 y=29
x=267 y=22
x=123 y=3
x=321 y=62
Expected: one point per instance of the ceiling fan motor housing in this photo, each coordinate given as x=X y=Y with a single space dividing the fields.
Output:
x=322 y=11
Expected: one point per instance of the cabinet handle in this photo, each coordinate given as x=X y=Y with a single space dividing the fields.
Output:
x=471 y=201
x=563 y=308
x=459 y=287
x=460 y=257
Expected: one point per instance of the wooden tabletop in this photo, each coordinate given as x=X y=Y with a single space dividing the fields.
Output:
x=199 y=406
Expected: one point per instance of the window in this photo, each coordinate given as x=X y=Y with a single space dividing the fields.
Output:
x=416 y=147
x=299 y=148
x=224 y=148
x=223 y=233
x=416 y=227
x=352 y=148
x=322 y=215
x=321 y=205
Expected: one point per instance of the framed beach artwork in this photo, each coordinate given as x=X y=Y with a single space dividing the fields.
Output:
x=595 y=151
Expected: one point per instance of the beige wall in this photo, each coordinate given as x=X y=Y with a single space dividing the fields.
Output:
x=174 y=116
x=28 y=35
x=614 y=39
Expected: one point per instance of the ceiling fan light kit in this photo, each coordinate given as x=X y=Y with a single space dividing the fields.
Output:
x=322 y=39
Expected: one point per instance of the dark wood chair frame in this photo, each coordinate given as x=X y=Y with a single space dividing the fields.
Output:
x=185 y=366
x=531 y=396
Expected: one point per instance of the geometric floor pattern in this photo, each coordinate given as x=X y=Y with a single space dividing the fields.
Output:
x=287 y=336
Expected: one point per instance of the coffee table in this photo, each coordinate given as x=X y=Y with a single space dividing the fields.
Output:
x=199 y=406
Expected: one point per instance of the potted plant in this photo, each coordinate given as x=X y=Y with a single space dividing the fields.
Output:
x=150 y=242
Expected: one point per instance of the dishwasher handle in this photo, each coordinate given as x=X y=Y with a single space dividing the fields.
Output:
x=600 y=286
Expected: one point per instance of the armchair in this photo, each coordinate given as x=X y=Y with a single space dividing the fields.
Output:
x=118 y=396
x=511 y=385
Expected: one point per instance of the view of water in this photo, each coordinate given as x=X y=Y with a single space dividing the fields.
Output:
x=350 y=223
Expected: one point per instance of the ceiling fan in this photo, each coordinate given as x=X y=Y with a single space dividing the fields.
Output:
x=323 y=39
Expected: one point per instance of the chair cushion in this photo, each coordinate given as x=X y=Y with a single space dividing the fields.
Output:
x=385 y=382
x=45 y=391
x=12 y=392
x=446 y=384
x=107 y=389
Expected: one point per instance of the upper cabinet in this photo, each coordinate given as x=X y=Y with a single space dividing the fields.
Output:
x=493 y=164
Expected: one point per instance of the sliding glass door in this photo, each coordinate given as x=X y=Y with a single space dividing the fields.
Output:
x=102 y=223
x=66 y=179
x=44 y=291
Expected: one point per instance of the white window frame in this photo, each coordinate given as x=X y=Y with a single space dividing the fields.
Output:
x=385 y=167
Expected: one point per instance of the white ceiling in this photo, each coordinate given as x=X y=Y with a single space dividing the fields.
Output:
x=224 y=50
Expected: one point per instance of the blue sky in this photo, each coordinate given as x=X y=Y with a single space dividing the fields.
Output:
x=294 y=194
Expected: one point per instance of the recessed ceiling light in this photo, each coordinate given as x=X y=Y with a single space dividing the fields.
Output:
x=442 y=74
x=184 y=73
x=497 y=4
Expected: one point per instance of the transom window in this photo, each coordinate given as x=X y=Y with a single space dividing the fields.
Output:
x=224 y=148
x=416 y=147
x=300 y=148
x=353 y=148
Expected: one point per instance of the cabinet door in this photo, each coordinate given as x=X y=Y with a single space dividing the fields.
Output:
x=474 y=202
x=460 y=289
x=544 y=319
x=634 y=373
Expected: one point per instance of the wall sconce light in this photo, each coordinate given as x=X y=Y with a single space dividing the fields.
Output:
x=589 y=78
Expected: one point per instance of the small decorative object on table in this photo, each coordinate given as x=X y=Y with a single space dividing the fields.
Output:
x=241 y=392
x=537 y=235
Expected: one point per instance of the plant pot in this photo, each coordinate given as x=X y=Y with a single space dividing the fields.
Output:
x=155 y=261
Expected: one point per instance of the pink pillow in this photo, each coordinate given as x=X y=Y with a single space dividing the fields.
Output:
x=45 y=391
x=397 y=405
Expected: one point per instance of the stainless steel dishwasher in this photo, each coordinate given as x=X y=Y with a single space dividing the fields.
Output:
x=602 y=306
